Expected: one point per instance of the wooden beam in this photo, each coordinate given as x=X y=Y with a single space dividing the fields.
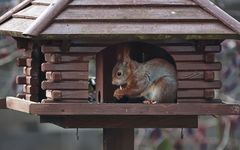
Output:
x=18 y=104
x=46 y=17
x=19 y=7
x=214 y=10
x=113 y=109
x=140 y=121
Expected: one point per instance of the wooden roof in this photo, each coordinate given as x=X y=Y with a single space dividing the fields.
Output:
x=132 y=19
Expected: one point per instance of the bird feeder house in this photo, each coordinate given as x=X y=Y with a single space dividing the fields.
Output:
x=60 y=38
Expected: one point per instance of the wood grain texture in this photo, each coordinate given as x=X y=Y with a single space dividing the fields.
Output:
x=18 y=104
x=65 y=67
x=134 y=13
x=46 y=18
x=17 y=8
x=113 y=28
x=65 y=101
x=220 y=14
x=124 y=109
x=66 y=85
x=181 y=66
x=199 y=85
x=198 y=66
x=66 y=58
x=209 y=94
x=92 y=48
x=139 y=121
x=67 y=94
x=58 y=76
x=141 y=14
x=196 y=75
x=136 y=109
x=122 y=2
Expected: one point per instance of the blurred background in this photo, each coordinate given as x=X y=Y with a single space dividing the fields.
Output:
x=24 y=132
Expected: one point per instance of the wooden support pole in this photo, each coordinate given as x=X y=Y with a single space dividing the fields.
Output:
x=118 y=138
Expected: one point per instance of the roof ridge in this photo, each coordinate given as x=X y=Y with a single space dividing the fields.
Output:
x=15 y=9
x=217 y=12
x=46 y=17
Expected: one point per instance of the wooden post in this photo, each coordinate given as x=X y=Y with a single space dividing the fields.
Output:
x=118 y=139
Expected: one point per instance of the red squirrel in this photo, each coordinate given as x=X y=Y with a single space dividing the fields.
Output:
x=155 y=80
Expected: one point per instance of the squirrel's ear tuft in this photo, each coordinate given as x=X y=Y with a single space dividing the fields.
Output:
x=119 y=56
x=126 y=54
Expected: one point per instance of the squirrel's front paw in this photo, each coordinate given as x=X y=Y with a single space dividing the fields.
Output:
x=118 y=94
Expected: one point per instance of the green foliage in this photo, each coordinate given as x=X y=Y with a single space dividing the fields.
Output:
x=165 y=145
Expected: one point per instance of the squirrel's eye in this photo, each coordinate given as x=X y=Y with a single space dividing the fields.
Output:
x=119 y=73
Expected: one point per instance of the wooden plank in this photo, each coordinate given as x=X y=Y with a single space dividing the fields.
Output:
x=67 y=94
x=122 y=13
x=220 y=14
x=136 y=109
x=113 y=28
x=65 y=101
x=188 y=75
x=93 y=49
x=209 y=94
x=114 y=121
x=181 y=66
x=58 y=76
x=188 y=57
x=195 y=66
x=46 y=18
x=18 y=104
x=17 y=8
x=65 y=67
x=31 y=12
x=199 y=85
x=66 y=58
x=15 y=26
x=80 y=49
x=111 y=134
x=108 y=109
x=122 y=2
x=66 y=85
x=196 y=75
x=140 y=14
x=195 y=100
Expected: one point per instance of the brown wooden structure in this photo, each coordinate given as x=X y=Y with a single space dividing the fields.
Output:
x=61 y=37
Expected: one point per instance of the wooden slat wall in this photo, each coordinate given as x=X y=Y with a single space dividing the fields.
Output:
x=67 y=72
x=66 y=75
x=31 y=73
